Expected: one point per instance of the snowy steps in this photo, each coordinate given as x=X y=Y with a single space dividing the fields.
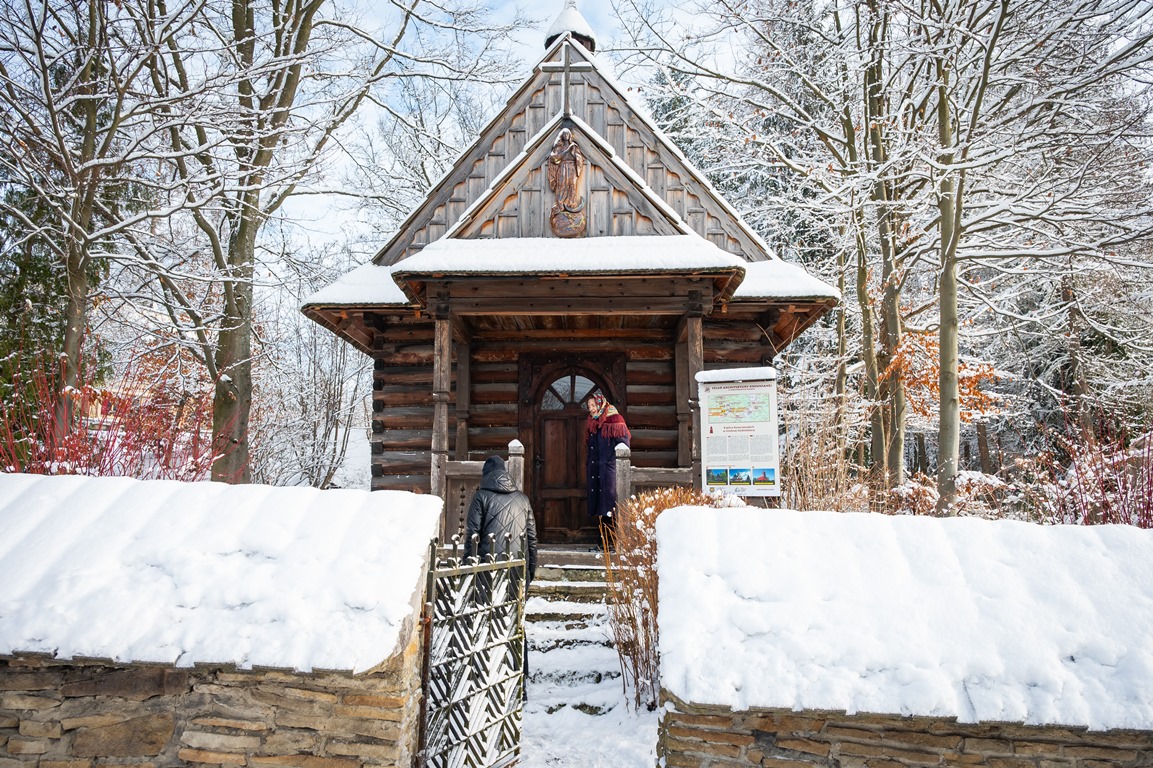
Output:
x=572 y=662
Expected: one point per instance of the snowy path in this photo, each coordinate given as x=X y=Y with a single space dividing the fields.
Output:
x=568 y=665
x=572 y=739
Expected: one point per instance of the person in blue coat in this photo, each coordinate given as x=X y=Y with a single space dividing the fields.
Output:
x=606 y=430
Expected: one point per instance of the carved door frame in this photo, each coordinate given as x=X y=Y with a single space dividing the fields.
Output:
x=537 y=371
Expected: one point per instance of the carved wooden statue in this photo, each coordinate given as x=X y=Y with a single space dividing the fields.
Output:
x=566 y=165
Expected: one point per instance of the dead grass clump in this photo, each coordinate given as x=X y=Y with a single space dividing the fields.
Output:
x=630 y=568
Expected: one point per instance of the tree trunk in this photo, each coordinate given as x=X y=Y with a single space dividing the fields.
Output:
x=890 y=460
x=1076 y=383
x=983 y=453
x=869 y=356
x=84 y=176
x=949 y=437
x=232 y=399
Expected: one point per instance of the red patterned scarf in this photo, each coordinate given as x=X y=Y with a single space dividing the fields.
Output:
x=605 y=419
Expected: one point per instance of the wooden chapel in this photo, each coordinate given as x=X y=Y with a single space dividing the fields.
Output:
x=571 y=249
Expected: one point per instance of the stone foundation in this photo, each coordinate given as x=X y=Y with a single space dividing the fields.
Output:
x=82 y=714
x=693 y=736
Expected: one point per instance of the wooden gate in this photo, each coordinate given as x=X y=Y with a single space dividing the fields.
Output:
x=474 y=659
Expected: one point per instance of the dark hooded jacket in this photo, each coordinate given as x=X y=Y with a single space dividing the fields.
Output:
x=499 y=509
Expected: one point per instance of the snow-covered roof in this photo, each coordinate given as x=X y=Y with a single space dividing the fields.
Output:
x=570 y=20
x=719 y=375
x=777 y=279
x=367 y=285
x=984 y=621
x=583 y=255
x=186 y=573
x=374 y=285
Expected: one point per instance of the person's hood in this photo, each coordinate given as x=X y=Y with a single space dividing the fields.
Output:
x=499 y=481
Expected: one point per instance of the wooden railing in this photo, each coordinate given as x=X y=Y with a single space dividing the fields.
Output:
x=462 y=478
x=630 y=479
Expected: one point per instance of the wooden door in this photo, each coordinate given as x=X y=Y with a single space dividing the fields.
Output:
x=554 y=388
x=560 y=460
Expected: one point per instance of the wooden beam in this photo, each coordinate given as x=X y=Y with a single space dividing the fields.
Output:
x=463 y=398
x=684 y=412
x=441 y=384
x=695 y=357
x=640 y=305
x=572 y=335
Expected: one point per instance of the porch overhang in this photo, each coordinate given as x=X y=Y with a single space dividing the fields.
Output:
x=668 y=275
x=537 y=286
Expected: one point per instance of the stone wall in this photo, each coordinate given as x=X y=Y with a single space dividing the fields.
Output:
x=82 y=714
x=711 y=737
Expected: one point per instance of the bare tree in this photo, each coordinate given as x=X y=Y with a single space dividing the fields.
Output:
x=1027 y=80
x=75 y=139
x=962 y=155
x=256 y=95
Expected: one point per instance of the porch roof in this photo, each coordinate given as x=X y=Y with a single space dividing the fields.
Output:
x=373 y=285
x=642 y=277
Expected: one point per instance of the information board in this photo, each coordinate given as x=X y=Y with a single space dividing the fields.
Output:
x=739 y=431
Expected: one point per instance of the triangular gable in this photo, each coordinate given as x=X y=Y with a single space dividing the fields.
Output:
x=606 y=111
x=617 y=201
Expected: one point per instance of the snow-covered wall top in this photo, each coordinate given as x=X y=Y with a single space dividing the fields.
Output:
x=985 y=621
x=186 y=573
x=372 y=285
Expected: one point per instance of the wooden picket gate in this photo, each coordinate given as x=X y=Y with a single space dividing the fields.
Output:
x=474 y=660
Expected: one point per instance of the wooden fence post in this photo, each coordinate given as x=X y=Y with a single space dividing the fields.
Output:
x=516 y=463
x=624 y=472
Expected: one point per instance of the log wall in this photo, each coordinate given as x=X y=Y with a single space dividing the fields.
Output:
x=403 y=403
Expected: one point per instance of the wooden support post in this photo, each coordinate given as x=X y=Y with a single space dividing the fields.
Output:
x=463 y=395
x=624 y=472
x=684 y=413
x=695 y=343
x=516 y=463
x=441 y=384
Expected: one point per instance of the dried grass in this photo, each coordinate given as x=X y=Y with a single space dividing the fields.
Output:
x=630 y=572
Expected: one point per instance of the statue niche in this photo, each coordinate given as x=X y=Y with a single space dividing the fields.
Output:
x=566 y=165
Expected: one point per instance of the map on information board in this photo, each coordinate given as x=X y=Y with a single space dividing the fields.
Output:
x=732 y=409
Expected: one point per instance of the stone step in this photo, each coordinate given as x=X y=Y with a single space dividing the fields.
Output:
x=572 y=662
x=575 y=665
x=569 y=573
x=569 y=591
x=572 y=555
x=588 y=697
x=546 y=636
x=539 y=608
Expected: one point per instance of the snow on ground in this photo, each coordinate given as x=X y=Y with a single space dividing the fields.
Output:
x=960 y=617
x=182 y=573
x=356 y=470
x=571 y=737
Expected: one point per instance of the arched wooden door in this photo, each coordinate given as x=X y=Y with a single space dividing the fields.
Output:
x=556 y=456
